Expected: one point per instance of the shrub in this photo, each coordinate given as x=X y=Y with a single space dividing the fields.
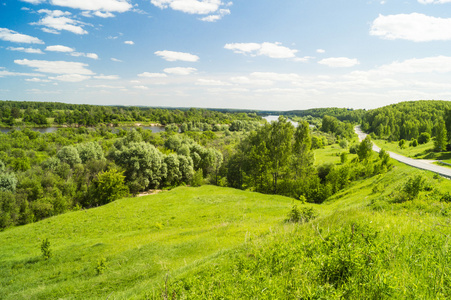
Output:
x=45 y=249
x=414 y=186
x=424 y=138
x=301 y=215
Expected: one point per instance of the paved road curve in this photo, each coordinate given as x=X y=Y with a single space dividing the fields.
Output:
x=417 y=163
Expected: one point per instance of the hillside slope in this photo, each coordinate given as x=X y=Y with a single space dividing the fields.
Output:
x=189 y=240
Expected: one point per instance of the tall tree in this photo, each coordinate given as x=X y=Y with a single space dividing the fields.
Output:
x=441 y=136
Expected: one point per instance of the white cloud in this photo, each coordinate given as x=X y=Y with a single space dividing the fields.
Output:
x=339 y=62
x=103 y=14
x=71 y=77
x=439 y=64
x=15 y=37
x=273 y=50
x=56 y=21
x=250 y=81
x=116 y=60
x=95 y=5
x=152 y=75
x=303 y=59
x=92 y=55
x=59 y=48
x=107 y=77
x=200 y=7
x=180 y=71
x=34 y=1
x=35 y=79
x=320 y=51
x=56 y=67
x=434 y=1
x=129 y=42
x=71 y=51
x=413 y=27
x=26 y=50
x=291 y=77
x=141 y=87
x=175 y=56
x=4 y=73
x=211 y=82
x=219 y=16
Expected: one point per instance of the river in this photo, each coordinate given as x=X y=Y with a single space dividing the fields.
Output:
x=155 y=129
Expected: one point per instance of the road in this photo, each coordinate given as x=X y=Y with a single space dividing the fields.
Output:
x=417 y=163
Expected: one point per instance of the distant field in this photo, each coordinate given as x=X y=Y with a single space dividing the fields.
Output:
x=423 y=151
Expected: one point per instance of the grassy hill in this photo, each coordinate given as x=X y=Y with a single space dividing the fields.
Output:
x=212 y=242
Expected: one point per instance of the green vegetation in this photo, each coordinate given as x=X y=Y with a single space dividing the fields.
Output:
x=355 y=225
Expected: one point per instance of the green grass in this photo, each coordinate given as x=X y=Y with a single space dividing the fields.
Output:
x=424 y=151
x=142 y=240
x=212 y=242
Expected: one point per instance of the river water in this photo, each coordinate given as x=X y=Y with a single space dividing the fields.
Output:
x=155 y=129
x=275 y=118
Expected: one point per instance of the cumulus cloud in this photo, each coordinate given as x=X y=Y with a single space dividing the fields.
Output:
x=115 y=59
x=26 y=50
x=273 y=50
x=339 y=62
x=71 y=77
x=56 y=67
x=71 y=51
x=56 y=20
x=413 y=27
x=320 y=51
x=15 y=37
x=4 y=73
x=94 y=5
x=175 y=56
x=152 y=75
x=213 y=18
x=180 y=71
x=129 y=42
x=59 y=48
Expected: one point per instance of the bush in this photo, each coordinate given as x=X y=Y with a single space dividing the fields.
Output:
x=198 y=178
x=45 y=249
x=301 y=215
x=424 y=138
x=414 y=186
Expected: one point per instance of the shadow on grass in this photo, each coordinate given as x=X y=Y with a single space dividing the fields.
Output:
x=430 y=154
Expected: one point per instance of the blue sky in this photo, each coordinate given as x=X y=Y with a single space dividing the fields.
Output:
x=265 y=54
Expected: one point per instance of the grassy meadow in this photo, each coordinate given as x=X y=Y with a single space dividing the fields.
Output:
x=221 y=243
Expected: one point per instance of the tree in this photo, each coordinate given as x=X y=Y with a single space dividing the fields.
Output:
x=108 y=186
x=440 y=140
x=8 y=182
x=365 y=149
x=143 y=165
x=90 y=151
x=424 y=138
x=69 y=155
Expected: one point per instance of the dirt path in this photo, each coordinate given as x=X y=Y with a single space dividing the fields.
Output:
x=149 y=192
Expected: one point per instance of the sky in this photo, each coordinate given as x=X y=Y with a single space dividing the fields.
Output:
x=247 y=54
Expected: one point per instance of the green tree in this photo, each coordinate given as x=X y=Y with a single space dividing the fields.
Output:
x=440 y=140
x=365 y=149
x=69 y=155
x=424 y=138
x=108 y=186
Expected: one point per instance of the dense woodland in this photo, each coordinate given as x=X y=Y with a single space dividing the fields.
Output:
x=414 y=120
x=42 y=175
